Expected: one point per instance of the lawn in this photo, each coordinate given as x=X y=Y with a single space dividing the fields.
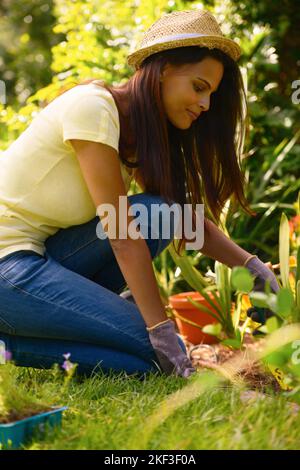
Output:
x=126 y=412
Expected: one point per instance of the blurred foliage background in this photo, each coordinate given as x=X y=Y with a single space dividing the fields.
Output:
x=46 y=46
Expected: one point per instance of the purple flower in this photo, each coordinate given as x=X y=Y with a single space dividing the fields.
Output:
x=67 y=365
x=7 y=355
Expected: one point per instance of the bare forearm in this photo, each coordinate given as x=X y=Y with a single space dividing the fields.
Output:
x=135 y=263
x=221 y=248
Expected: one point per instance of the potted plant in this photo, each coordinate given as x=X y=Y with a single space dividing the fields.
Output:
x=190 y=319
x=22 y=416
x=212 y=312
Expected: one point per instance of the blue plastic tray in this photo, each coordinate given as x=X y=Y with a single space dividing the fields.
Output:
x=13 y=435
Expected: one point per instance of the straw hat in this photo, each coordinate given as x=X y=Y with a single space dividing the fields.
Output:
x=183 y=28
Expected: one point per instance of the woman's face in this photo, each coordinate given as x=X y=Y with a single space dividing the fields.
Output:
x=187 y=89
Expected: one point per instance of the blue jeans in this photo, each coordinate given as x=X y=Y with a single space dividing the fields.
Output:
x=67 y=301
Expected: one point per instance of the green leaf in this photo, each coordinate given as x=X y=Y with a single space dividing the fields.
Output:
x=281 y=356
x=237 y=311
x=212 y=329
x=298 y=294
x=276 y=359
x=295 y=369
x=203 y=308
x=238 y=335
x=192 y=276
x=262 y=329
x=259 y=299
x=241 y=279
x=281 y=151
x=284 y=250
x=298 y=265
x=272 y=324
x=234 y=343
x=285 y=302
x=262 y=300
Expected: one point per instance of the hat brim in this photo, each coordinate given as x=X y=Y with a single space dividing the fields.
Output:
x=228 y=46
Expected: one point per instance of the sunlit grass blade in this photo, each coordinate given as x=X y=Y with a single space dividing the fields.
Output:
x=199 y=384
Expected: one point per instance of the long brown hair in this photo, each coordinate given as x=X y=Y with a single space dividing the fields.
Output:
x=199 y=165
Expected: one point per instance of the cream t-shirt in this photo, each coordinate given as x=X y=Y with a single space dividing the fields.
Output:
x=42 y=188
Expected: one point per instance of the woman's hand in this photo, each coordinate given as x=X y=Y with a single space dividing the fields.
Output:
x=262 y=273
x=169 y=354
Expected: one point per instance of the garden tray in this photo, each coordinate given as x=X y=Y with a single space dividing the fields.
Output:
x=13 y=435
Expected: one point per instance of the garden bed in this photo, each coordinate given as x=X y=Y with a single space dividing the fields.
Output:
x=253 y=373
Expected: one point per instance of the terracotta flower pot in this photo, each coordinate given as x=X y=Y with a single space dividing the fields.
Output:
x=185 y=309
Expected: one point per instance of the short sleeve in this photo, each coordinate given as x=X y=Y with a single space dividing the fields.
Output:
x=91 y=117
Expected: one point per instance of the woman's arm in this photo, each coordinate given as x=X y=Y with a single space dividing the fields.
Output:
x=100 y=167
x=216 y=245
x=221 y=248
x=135 y=263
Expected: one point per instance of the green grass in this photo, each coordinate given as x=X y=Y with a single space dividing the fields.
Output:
x=116 y=412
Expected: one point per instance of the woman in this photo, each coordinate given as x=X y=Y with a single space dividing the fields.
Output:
x=173 y=126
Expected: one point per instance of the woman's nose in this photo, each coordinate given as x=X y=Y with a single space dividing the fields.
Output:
x=204 y=103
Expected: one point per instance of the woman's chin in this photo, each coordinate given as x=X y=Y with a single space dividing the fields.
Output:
x=181 y=125
x=184 y=127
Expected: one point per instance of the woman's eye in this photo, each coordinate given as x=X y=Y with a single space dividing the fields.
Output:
x=197 y=89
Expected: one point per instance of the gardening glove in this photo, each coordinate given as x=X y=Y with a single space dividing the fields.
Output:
x=172 y=359
x=261 y=273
